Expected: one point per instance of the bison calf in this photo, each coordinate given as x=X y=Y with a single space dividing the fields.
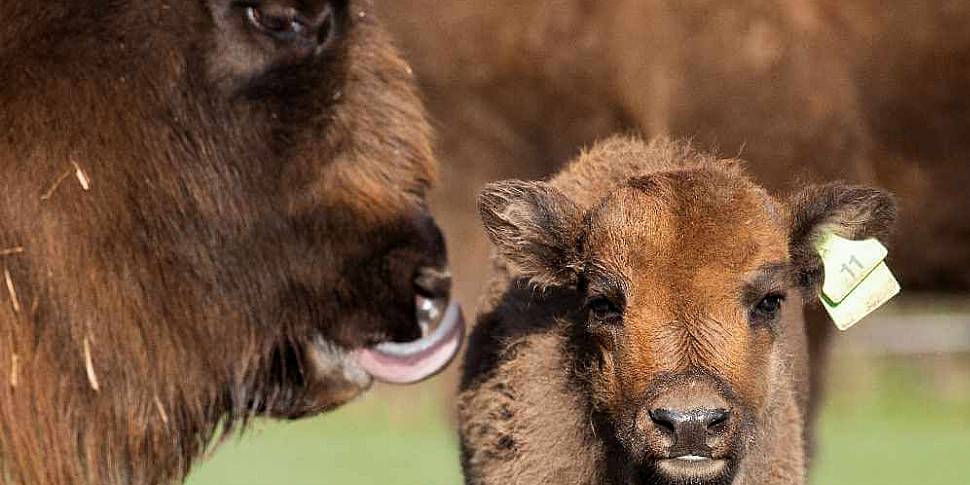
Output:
x=646 y=322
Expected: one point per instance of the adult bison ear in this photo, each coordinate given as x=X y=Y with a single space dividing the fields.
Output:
x=850 y=211
x=535 y=228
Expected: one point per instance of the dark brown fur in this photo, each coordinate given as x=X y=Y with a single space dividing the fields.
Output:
x=550 y=395
x=248 y=199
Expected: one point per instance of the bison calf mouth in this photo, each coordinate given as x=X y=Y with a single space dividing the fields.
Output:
x=687 y=429
x=691 y=469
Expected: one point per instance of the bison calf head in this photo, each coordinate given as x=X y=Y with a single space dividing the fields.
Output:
x=688 y=284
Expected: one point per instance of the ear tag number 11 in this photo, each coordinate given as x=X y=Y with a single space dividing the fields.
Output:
x=857 y=280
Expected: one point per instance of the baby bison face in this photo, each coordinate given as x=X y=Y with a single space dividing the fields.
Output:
x=687 y=303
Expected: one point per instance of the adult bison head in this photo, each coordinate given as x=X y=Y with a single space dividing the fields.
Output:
x=209 y=209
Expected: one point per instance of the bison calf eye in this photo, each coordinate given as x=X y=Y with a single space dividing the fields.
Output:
x=767 y=308
x=602 y=309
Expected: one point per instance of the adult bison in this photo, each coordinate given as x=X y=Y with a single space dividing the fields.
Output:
x=645 y=325
x=209 y=210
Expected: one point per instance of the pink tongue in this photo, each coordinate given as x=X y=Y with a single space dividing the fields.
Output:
x=414 y=361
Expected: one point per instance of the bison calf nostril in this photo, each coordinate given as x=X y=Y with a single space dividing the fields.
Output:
x=689 y=431
x=666 y=420
x=715 y=420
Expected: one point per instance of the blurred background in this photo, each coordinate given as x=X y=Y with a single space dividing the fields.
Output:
x=868 y=91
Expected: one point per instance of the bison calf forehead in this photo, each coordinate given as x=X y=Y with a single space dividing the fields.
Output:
x=700 y=228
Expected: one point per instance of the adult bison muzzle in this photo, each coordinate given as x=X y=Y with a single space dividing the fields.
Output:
x=209 y=210
x=645 y=326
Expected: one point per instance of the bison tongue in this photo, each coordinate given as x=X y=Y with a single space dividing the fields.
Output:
x=405 y=363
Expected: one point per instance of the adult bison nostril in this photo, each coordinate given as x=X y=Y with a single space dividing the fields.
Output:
x=432 y=287
x=433 y=282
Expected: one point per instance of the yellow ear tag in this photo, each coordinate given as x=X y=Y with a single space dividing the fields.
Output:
x=857 y=280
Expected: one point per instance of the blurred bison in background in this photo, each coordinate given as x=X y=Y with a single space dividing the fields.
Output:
x=209 y=210
x=804 y=90
x=645 y=323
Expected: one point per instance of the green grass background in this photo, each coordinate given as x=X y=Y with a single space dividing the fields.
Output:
x=886 y=422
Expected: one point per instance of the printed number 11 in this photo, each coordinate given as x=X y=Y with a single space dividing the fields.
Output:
x=848 y=269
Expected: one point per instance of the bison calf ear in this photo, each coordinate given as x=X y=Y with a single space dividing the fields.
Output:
x=850 y=211
x=535 y=228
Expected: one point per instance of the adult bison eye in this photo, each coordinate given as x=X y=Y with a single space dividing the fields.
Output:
x=603 y=310
x=768 y=307
x=291 y=26
x=283 y=25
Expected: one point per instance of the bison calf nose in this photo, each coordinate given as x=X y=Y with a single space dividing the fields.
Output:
x=691 y=431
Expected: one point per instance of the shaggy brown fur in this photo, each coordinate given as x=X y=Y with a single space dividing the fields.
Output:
x=684 y=248
x=199 y=217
